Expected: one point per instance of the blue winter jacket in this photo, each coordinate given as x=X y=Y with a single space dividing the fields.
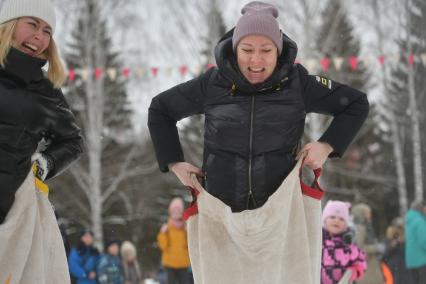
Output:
x=110 y=270
x=415 y=239
x=81 y=265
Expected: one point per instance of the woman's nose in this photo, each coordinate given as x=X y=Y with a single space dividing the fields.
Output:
x=38 y=34
x=255 y=58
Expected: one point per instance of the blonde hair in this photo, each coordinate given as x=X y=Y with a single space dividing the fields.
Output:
x=128 y=249
x=56 y=70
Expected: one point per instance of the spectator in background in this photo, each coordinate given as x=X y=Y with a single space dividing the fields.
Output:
x=415 y=245
x=365 y=238
x=173 y=243
x=83 y=259
x=393 y=263
x=132 y=272
x=339 y=254
x=109 y=269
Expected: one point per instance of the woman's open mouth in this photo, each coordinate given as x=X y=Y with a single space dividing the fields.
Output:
x=256 y=70
x=29 y=48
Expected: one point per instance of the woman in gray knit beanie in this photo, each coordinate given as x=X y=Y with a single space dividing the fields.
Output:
x=255 y=63
x=255 y=102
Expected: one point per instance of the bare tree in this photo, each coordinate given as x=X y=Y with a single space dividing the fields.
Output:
x=102 y=110
x=389 y=110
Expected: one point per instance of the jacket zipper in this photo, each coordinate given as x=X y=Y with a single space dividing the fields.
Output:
x=251 y=154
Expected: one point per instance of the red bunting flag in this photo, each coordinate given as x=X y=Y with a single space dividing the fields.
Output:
x=183 y=70
x=154 y=71
x=325 y=64
x=382 y=59
x=353 y=62
x=71 y=75
x=411 y=59
x=126 y=72
x=98 y=73
x=210 y=65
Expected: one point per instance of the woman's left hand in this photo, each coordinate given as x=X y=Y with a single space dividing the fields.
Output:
x=41 y=167
x=316 y=154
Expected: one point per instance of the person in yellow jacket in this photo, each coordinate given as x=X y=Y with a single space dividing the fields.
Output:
x=173 y=243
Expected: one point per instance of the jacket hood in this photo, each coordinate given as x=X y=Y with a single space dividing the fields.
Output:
x=413 y=215
x=227 y=64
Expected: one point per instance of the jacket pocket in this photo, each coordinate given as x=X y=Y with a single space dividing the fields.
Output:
x=220 y=177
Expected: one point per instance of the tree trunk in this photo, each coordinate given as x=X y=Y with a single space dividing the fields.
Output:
x=417 y=150
x=415 y=136
x=95 y=110
x=397 y=146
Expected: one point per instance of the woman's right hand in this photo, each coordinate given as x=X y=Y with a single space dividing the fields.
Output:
x=183 y=171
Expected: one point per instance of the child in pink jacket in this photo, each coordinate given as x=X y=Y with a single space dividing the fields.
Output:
x=338 y=252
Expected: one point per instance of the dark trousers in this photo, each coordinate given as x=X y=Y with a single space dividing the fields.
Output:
x=418 y=275
x=177 y=276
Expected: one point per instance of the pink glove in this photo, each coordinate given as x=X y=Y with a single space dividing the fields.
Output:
x=357 y=272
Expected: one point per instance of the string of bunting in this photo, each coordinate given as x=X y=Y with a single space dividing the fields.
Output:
x=311 y=64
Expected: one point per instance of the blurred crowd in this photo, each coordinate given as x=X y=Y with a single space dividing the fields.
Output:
x=350 y=246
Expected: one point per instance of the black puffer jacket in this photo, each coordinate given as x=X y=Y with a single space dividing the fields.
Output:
x=252 y=131
x=31 y=109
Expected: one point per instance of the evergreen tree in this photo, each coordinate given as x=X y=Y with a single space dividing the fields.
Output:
x=406 y=95
x=98 y=98
x=350 y=177
x=92 y=28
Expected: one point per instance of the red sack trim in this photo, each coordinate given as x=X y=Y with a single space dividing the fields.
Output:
x=315 y=191
x=193 y=208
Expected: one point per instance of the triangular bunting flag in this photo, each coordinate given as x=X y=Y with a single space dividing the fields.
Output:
x=140 y=71
x=112 y=73
x=311 y=65
x=98 y=73
x=210 y=65
x=71 y=75
x=325 y=64
x=410 y=59
x=396 y=58
x=169 y=71
x=353 y=62
x=126 y=72
x=85 y=74
x=154 y=71
x=338 y=62
x=183 y=70
x=197 y=69
x=381 y=59
x=423 y=57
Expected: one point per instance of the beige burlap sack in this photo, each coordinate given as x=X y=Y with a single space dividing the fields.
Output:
x=31 y=246
x=279 y=243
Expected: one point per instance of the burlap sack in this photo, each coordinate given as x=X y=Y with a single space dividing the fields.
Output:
x=31 y=246
x=279 y=243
